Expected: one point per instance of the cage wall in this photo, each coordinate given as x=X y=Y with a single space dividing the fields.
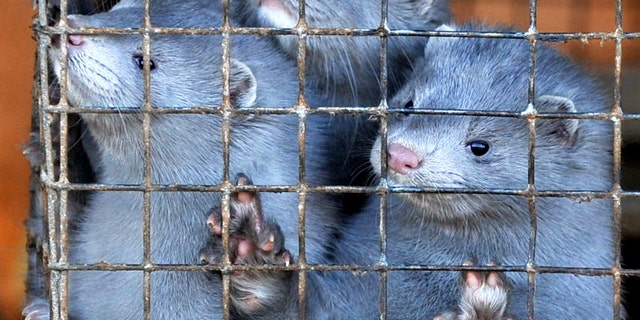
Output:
x=613 y=56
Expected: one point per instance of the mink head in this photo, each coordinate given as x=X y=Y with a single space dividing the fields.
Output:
x=492 y=152
x=107 y=71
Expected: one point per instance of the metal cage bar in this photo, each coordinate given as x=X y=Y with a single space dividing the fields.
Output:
x=146 y=141
x=616 y=112
x=302 y=109
x=57 y=186
x=531 y=148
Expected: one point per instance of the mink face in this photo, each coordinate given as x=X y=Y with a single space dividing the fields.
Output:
x=455 y=152
x=483 y=152
x=106 y=71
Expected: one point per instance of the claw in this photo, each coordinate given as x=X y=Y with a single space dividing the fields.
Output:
x=270 y=243
x=286 y=258
x=243 y=180
x=473 y=280
x=243 y=197
x=214 y=226
x=208 y=256
x=204 y=258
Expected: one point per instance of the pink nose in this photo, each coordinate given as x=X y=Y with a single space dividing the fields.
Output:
x=402 y=159
x=74 y=39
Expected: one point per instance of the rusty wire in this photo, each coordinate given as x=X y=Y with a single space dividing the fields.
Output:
x=617 y=167
x=56 y=190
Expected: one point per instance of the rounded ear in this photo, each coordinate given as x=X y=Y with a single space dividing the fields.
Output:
x=129 y=3
x=445 y=27
x=242 y=85
x=433 y=41
x=563 y=129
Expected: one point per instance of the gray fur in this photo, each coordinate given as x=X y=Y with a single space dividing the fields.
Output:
x=484 y=74
x=185 y=149
x=346 y=69
x=448 y=229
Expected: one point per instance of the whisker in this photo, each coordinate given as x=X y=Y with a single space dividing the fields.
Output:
x=360 y=169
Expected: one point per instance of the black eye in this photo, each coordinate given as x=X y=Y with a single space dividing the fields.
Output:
x=138 y=60
x=409 y=104
x=479 y=148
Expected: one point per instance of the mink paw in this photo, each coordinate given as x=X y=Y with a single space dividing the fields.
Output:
x=253 y=240
x=485 y=296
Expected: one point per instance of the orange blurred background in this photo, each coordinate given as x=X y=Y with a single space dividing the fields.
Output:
x=17 y=55
x=17 y=49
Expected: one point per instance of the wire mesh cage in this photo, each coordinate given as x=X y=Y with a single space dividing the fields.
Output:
x=74 y=192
